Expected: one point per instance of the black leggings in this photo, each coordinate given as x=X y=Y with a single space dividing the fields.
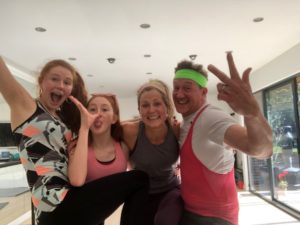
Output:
x=189 y=218
x=92 y=203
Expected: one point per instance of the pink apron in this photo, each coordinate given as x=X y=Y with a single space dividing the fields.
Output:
x=205 y=192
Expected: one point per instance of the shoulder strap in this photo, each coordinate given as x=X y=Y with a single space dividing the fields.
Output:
x=196 y=117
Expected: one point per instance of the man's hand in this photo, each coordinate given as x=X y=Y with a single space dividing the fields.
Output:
x=236 y=91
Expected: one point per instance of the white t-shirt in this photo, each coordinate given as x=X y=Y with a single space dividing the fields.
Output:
x=207 y=139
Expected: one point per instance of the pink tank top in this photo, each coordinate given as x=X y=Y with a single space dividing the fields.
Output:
x=98 y=169
x=205 y=192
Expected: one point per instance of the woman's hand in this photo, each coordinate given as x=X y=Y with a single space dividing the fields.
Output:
x=87 y=118
x=175 y=124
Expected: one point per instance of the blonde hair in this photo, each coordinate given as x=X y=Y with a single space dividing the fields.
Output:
x=163 y=89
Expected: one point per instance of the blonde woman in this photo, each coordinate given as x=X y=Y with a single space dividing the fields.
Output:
x=154 y=149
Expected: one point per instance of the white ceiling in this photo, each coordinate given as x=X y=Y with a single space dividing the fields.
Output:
x=93 y=30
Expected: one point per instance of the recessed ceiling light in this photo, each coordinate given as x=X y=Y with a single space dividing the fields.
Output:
x=111 y=60
x=90 y=75
x=147 y=55
x=193 y=56
x=40 y=29
x=145 y=25
x=258 y=19
x=72 y=58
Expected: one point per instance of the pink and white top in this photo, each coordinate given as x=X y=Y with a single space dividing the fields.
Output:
x=206 y=192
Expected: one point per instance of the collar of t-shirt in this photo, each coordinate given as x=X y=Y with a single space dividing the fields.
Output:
x=185 y=126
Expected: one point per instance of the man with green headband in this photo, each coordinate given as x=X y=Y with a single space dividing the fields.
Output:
x=208 y=137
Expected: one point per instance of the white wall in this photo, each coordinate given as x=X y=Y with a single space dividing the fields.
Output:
x=28 y=83
x=279 y=68
x=128 y=108
x=13 y=176
x=5 y=112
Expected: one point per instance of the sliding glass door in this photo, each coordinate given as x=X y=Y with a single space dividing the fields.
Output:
x=282 y=109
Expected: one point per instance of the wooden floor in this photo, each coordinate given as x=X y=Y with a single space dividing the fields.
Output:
x=16 y=207
x=19 y=205
x=114 y=219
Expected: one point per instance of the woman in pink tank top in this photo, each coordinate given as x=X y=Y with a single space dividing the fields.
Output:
x=102 y=157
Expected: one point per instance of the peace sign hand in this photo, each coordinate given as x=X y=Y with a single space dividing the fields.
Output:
x=236 y=91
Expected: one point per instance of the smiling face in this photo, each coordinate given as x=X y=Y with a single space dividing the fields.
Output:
x=152 y=108
x=188 y=97
x=56 y=85
x=105 y=115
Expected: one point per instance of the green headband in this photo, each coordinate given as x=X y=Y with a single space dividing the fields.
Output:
x=192 y=75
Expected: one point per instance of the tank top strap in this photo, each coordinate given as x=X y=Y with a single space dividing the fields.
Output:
x=118 y=148
x=140 y=135
x=141 y=131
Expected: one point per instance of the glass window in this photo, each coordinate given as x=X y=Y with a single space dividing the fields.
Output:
x=280 y=109
x=298 y=107
x=8 y=151
x=259 y=178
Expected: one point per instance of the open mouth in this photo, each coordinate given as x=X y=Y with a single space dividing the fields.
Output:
x=56 y=97
x=97 y=123
x=182 y=101
x=153 y=117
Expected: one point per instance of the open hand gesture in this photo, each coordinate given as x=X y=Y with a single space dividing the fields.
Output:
x=87 y=118
x=234 y=90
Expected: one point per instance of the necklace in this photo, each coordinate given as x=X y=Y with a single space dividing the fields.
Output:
x=54 y=116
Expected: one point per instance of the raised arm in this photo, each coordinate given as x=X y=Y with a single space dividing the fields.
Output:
x=21 y=104
x=78 y=154
x=255 y=138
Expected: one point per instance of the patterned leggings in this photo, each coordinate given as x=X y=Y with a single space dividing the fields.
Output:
x=92 y=203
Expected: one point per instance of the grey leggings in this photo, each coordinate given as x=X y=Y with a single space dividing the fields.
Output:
x=164 y=208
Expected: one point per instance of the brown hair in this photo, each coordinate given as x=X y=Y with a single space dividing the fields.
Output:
x=186 y=64
x=69 y=113
x=116 y=128
x=54 y=63
x=163 y=89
